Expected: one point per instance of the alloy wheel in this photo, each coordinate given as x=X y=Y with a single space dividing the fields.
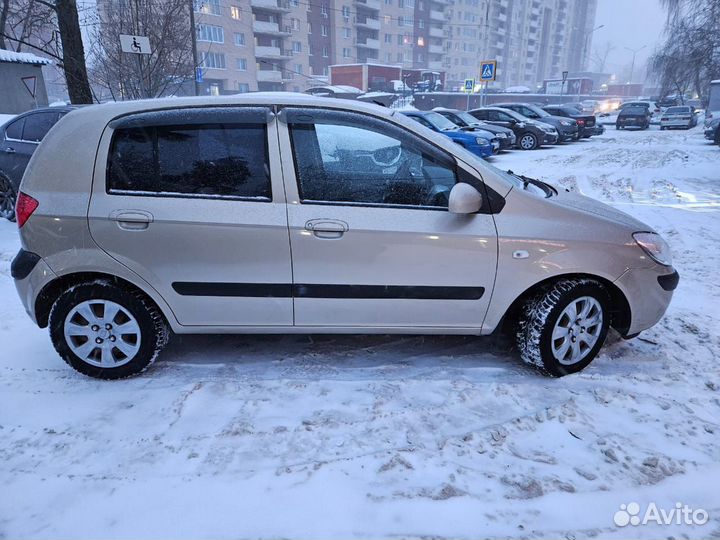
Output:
x=577 y=330
x=7 y=199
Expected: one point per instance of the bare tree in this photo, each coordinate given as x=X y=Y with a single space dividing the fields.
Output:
x=53 y=28
x=600 y=56
x=690 y=56
x=166 y=23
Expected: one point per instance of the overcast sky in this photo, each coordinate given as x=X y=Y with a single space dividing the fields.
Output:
x=628 y=23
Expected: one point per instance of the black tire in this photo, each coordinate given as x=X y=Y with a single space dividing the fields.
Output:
x=540 y=315
x=662 y=128
x=617 y=127
x=527 y=137
x=154 y=333
x=8 y=198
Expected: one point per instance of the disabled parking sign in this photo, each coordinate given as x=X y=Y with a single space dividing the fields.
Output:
x=488 y=69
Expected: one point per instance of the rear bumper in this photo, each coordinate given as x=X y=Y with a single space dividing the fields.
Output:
x=649 y=292
x=568 y=133
x=32 y=276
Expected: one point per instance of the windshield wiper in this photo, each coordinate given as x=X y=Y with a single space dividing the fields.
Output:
x=525 y=179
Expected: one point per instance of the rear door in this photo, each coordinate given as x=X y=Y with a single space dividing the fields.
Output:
x=373 y=244
x=22 y=139
x=192 y=201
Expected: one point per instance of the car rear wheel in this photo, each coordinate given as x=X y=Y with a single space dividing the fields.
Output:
x=7 y=198
x=528 y=141
x=563 y=328
x=107 y=332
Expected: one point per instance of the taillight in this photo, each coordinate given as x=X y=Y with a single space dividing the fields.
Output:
x=581 y=122
x=24 y=208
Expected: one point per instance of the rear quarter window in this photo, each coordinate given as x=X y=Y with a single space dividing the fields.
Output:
x=227 y=160
x=14 y=130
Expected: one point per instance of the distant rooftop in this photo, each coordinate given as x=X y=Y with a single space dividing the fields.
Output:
x=23 y=58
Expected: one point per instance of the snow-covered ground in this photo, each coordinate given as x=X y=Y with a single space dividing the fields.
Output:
x=376 y=437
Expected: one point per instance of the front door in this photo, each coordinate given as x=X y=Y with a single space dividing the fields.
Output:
x=373 y=244
x=192 y=201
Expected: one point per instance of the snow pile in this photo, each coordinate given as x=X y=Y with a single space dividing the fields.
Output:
x=23 y=58
x=378 y=436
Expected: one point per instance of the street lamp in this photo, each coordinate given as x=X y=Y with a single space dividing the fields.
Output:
x=583 y=60
x=632 y=66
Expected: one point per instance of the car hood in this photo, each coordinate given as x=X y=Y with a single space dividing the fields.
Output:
x=571 y=199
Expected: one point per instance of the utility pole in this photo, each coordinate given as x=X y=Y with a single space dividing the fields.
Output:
x=632 y=66
x=193 y=41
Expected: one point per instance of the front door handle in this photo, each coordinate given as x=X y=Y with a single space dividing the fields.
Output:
x=327 y=228
x=132 y=220
x=9 y=150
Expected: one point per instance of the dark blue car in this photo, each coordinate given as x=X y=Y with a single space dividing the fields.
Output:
x=437 y=122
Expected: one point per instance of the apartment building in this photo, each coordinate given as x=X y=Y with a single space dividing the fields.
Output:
x=247 y=45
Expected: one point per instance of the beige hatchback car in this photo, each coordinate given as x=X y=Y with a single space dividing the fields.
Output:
x=289 y=213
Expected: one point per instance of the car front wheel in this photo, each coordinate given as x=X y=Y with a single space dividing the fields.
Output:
x=105 y=331
x=528 y=141
x=562 y=329
x=7 y=198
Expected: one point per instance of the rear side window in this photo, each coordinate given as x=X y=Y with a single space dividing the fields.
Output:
x=227 y=160
x=14 y=130
x=37 y=126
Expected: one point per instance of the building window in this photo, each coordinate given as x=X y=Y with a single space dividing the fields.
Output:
x=387 y=19
x=213 y=60
x=310 y=49
x=309 y=27
x=401 y=20
x=347 y=52
x=295 y=24
x=421 y=41
x=346 y=13
x=399 y=57
x=388 y=57
x=324 y=10
x=346 y=33
x=243 y=87
x=209 y=32
x=324 y=30
x=294 y=3
x=421 y=23
x=388 y=38
x=325 y=52
x=235 y=12
x=239 y=39
x=242 y=64
x=298 y=69
x=208 y=7
x=296 y=46
x=420 y=57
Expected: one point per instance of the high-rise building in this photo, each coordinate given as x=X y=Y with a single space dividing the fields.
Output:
x=247 y=45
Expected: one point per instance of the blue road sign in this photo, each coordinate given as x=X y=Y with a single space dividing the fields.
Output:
x=199 y=74
x=469 y=85
x=487 y=70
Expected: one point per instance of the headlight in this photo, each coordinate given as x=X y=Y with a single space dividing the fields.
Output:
x=520 y=125
x=654 y=245
x=565 y=123
x=482 y=141
x=501 y=136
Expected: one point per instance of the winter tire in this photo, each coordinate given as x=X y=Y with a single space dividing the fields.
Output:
x=7 y=198
x=107 y=332
x=528 y=141
x=563 y=328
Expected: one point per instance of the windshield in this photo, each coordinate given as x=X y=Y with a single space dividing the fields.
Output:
x=439 y=121
x=678 y=110
x=467 y=118
x=537 y=110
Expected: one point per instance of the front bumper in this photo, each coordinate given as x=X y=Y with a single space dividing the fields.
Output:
x=648 y=291
x=710 y=134
x=549 y=138
x=484 y=150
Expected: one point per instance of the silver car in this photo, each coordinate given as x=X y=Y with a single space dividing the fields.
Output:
x=289 y=213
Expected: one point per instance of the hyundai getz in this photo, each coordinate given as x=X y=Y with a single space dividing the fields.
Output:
x=288 y=213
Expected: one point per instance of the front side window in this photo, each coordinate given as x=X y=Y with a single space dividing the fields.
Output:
x=207 y=160
x=350 y=158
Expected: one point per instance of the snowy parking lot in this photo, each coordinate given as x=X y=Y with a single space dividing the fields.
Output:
x=376 y=437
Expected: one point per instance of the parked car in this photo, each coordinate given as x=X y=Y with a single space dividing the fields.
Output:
x=18 y=140
x=286 y=213
x=681 y=116
x=633 y=117
x=468 y=122
x=712 y=130
x=566 y=127
x=587 y=123
x=483 y=146
x=654 y=110
x=528 y=133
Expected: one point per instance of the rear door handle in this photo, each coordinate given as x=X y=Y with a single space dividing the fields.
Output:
x=327 y=228
x=132 y=220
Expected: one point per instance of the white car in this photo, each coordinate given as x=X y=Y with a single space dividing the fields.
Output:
x=681 y=116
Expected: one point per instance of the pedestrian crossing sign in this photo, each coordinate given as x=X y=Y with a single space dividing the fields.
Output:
x=469 y=85
x=488 y=69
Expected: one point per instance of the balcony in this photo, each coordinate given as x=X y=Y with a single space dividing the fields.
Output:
x=269 y=76
x=435 y=64
x=437 y=15
x=369 y=43
x=369 y=4
x=277 y=53
x=267 y=27
x=436 y=32
x=278 y=6
x=436 y=49
x=367 y=22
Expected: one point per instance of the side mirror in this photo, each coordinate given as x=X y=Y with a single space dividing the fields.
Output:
x=464 y=199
